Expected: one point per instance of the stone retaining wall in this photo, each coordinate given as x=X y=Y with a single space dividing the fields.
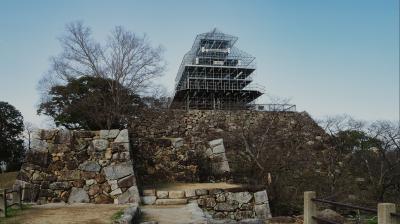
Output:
x=234 y=204
x=79 y=166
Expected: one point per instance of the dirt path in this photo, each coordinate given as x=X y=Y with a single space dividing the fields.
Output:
x=172 y=214
x=66 y=214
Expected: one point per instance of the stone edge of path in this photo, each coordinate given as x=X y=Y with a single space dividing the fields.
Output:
x=130 y=216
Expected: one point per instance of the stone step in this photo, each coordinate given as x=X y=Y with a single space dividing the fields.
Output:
x=180 y=201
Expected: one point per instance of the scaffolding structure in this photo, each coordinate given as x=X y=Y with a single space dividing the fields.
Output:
x=215 y=74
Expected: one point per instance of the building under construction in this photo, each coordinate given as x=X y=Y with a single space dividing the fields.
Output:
x=215 y=74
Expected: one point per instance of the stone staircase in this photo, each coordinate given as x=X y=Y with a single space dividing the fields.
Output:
x=217 y=201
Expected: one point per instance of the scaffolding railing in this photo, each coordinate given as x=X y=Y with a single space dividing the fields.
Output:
x=274 y=107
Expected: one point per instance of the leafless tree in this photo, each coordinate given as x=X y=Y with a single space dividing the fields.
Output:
x=29 y=128
x=126 y=58
x=382 y=163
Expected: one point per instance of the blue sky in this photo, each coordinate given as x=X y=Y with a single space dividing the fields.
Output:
x=329 y=56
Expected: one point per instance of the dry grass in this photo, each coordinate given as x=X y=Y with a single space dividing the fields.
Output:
x=7 y=179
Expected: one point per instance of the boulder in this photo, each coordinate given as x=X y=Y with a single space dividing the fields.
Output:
x=331 y=216
x=90 y=166
x=78 y=195
x=118 y=171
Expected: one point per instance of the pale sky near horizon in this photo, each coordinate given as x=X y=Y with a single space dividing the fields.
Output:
x=329 y=57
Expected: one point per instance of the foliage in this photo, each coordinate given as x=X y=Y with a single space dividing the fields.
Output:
x=86 y=103
x=11 y=144
x=116 y=216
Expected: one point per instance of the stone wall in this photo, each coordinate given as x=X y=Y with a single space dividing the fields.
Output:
x=199 y=128
x=79 y=166
x=234 y=204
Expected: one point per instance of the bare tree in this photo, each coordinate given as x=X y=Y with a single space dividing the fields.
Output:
x=29 y=128
x=127 y=60
x=382 y=163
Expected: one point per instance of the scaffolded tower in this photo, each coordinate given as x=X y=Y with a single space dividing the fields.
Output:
x=215 y=75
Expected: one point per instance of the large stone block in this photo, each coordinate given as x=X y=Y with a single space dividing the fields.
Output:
x=118 y=171
x=100 y=144
x=176 y=194
x=190 y=193
x=90 y=166
x=106 y=134
x=123 y=136
x=63 y=137
x=219 y=157
x=116 y=192
x=148 y=200
x=261 y=197
x=200 y=192
x=162 y=194
x=149 y=192
x=127 y=182
x=241 y=197
x=129 y=196
x=120 y=147
x=216 y=142
x=78 y=195
x=220 y=167
x=180 y=201
x=218 y=149
x=262 y=211
x=226 y=207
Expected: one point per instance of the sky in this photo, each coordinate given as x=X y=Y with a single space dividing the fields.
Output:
x=329 y=57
